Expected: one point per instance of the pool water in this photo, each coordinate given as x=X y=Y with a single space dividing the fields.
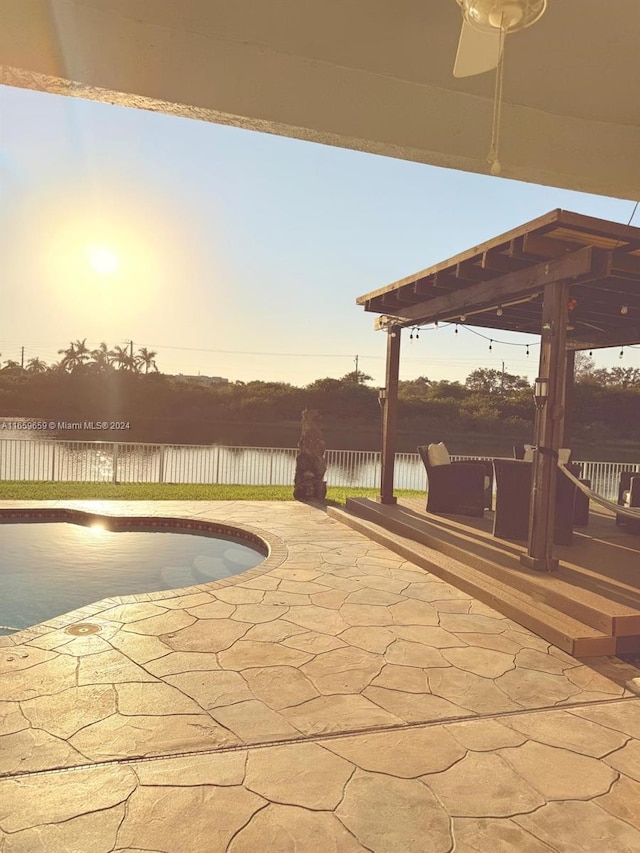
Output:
x=47 y=569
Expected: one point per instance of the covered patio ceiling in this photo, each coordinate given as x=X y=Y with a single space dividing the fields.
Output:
x=370 y=75
x=500 y=284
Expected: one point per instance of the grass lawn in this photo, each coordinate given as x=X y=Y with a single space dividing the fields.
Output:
x=37 y=491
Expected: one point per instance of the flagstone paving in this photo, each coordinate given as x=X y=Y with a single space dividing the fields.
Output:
x=341 y=700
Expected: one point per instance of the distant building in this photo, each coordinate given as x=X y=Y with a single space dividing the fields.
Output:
x=203 y=380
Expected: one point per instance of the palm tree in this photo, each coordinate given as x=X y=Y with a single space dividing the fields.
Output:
x=147 y=357
x=123 y=359
x=75 y=356
x=36 y=365
x=101 y=358
x=11 y=366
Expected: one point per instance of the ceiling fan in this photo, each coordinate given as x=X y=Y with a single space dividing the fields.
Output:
x=485 y=23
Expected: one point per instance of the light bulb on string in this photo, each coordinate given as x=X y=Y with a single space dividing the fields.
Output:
x=527 y=349
x=417 y=335
x=621 y=353
x=490 y=345
x=411 y=335
x=456 y=329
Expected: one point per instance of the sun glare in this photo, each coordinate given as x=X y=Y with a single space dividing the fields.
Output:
x=102 y=260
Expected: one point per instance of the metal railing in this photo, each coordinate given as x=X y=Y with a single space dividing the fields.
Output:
x=129 y=462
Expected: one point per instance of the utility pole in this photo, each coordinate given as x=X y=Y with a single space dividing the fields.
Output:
x=22 y=358
x=502 y=378
x=356 y=361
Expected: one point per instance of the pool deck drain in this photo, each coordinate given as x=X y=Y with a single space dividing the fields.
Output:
x=83 y=629
x=343 y=700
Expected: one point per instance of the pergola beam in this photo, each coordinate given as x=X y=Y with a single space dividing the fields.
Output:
x=520 y=283
x=613 y=339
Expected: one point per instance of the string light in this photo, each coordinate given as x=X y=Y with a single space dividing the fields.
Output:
x=621 y=353
x=503 y=343
x=456 y=329
x=624 y=309
x=527 y=349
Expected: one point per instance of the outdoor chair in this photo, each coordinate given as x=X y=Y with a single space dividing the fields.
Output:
x=525 y=452
x=581 y=501
x=626 y=509
x=628 y=494
x=458 y=488
x=513 y=498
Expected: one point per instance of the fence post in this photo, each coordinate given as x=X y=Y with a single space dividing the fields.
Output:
x=115 y=462
x=271 y=467
x=217 y=464
x=53 y=465
x=161 y=472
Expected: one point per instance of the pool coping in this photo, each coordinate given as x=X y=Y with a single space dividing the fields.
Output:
x=267 y=543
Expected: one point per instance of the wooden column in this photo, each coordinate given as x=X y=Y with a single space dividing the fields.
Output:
x=569 y=379
x=390 y=415
x=549 y=429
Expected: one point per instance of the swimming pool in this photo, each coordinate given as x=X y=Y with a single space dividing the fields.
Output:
x=48 y=568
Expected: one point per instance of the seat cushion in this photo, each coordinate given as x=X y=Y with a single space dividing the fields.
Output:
x=437 y=454
x=528 y=453
x=564 y=455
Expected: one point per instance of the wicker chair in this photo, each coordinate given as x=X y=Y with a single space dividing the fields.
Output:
x=628 y=495
x=513 y=497
x=458 y=488
x=581 y=501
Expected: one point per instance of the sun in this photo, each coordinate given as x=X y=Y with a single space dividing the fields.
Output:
x=102 y=260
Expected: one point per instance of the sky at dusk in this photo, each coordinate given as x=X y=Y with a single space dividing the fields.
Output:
x=234 y=253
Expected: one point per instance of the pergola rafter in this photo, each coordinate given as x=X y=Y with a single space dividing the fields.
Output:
x=572 y=279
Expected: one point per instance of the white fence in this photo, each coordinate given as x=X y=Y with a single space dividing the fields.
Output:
x=126 y=462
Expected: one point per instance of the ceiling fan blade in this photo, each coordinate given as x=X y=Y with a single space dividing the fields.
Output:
x=477 y=52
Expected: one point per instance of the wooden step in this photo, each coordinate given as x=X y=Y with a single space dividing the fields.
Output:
x=565 y=632
x=561 y=591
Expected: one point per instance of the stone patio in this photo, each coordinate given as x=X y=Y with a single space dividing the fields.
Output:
x=341 y=700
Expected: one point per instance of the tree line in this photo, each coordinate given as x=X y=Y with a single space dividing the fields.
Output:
x=78 y=358
x=120 y=385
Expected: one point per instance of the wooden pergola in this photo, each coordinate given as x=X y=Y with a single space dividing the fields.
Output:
x=572 y=279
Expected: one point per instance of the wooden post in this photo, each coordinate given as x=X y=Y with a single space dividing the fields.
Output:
x=569 y=379
x=549 y=427
x=390 y=416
